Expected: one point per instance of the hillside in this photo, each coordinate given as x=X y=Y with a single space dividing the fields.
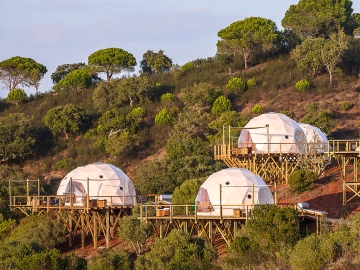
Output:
x=125 y=130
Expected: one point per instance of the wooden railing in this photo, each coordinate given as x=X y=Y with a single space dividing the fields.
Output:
x=332 y=147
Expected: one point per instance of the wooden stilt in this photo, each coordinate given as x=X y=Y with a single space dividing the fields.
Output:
x=82 y=231
x=107 y=222
x=95 y=236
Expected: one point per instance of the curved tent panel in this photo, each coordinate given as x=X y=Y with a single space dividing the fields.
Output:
x=273 y=133
x=106 y=182
x=240 y=188
x=316 y=139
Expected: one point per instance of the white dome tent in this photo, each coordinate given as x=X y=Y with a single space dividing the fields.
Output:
x=106 y=182
x=315 y=138
x=273 y=133
x=239 y=187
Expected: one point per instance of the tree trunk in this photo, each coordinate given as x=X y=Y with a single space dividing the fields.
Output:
x=108 y=76
x=330 y=73
x=246 y=59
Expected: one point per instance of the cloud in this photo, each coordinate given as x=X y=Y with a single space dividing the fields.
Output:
x=49 y=32
x=56 y=6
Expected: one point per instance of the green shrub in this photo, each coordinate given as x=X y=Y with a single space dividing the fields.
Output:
x=165 y=117
x=111 y=260
x=221 y=104
x=324 y=120
x=251 y=82
x=236 y=84
x=137 y=113
x=16 y=96
x=257 y=109
x=178 y=250
x=314 y=252
x=302 y=85
x=302 y=180
x=270 y=231
x=65 y=164
x=168 y=97
x=346 y=105
x=187 y=66
x=287 y=113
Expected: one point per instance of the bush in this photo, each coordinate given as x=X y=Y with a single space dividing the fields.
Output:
x=302 y=180
x=251 y=82
x=314 y=252
x=65 y=164
x=257 y=109
x=302 y=86
x=16 y=96
x=324 y=120
x=236 y=84
x=287 y=113
x=270 y=232
x=168 y=97
x=165 y=117
x=221 y=104
x=178 y=251
x=346 y=105
x=187 y=66
x=111 y=260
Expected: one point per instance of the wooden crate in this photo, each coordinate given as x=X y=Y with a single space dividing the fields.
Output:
x=237 y=212
x=93 y=203
x=162 y=212
x=241 y=151
x=101 y=203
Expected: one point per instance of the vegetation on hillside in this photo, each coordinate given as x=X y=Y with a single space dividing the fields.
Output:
x=180 y=111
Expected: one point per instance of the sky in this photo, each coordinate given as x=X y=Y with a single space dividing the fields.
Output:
x=57 y=32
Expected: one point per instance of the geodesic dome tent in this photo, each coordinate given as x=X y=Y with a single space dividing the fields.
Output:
x=106 y=182
x=237 y=185
x=273 y=133
x=316 y=139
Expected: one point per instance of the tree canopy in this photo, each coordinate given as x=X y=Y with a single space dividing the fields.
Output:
x=317 y=53
x=21 y=71
x=16 y=136
x=155 y=62
x=76 y=81
x=247 y=36
x=121 y=92
x=62 y=70
x=64 y=119
x=16 y=96
x=111 y=61
x=319 y=18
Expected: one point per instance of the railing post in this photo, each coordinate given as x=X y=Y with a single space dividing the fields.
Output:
x=253 y=197
x=268 y=137
x=71 y=191
x=123 y=195
x=87 y=194
x=220 y=203
x=275 y=195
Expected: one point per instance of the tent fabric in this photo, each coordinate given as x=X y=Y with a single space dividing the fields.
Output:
x=284 y=136
x=203 y=201
x=316 y=139
x=106 y=182
x=245 y=139
x=237 y=191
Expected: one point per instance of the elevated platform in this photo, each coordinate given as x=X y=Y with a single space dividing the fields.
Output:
x=277 y=166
